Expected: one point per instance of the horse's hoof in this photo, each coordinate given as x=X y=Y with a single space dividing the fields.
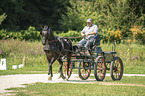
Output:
x=59 y=76
x=66 y=78
x=49 y=78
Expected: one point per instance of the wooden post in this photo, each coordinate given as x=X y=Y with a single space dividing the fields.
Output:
x=24 y=61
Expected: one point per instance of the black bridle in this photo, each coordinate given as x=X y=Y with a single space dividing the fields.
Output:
x=46 y=35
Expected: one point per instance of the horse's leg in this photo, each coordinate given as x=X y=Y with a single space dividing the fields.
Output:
x=68 y=65
x=50 y=74
x=51 y=59
x=60 y=67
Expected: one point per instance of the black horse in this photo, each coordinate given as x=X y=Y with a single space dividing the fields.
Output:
x=55 y=48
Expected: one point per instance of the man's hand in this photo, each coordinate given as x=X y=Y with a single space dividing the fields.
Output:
x=83 y=35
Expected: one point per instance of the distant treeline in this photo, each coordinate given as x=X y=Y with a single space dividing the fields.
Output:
x=64 y=15
x=23 y=13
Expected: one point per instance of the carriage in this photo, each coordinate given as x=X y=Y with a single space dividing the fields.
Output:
x=71 y=57
x=93 y=58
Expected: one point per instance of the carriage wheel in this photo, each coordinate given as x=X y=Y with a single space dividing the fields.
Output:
x=84 y=70
x=64 y=72
x=99 y=68
x=116 y=68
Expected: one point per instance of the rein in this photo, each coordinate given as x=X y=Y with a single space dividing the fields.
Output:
x=52 y=41
x=73 y=37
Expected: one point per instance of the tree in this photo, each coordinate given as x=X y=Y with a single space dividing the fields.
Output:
x=77 y=15
x=23 y=13
x=12 y=8
x=114 y=14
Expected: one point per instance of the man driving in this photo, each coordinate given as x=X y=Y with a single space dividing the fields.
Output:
x=89 y=32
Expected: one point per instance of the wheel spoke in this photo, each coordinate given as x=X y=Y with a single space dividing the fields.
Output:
x=116 y=68
x=100 y=69
x=84 y=71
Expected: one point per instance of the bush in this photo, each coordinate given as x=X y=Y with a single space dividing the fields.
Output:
x=71 y=34
x=30 y=34
x=111 y=35
x=3 y=34
x=138 y=34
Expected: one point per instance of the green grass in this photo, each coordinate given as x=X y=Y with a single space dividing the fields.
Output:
x=126 y=80
x=128 y=86
x=15 y=50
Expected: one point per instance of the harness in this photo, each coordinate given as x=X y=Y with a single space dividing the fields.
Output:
x=55 y=47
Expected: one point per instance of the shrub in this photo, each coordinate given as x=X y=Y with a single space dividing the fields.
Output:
x=30 y=34
x=112 y=35
x=2 y=33
x=138 y=34
x=71 y=34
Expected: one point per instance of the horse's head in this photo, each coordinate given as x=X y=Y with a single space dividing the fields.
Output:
x=46 y=32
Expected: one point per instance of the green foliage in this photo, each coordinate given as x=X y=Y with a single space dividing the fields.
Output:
x=114 y=14
x=78 y=14
x=13 y=10
x=138 y=34
x=2 y=33
x=71 y=34
x=30 y=34
x=24 y=13
x=109 y=15
x=110 y=35
x=67 y=15
x=2 y=17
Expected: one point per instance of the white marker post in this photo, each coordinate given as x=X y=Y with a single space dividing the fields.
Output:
x=3 y=65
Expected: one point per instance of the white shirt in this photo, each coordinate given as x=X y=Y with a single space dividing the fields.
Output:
x=87 y=30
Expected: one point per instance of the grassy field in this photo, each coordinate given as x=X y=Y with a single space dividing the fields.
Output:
x=132 y=56
x=14 y=51
x=128 y=86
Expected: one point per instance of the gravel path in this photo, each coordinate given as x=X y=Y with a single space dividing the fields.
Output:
x=9 y=81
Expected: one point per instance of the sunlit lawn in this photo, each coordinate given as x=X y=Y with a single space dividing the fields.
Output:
x=132 y=55
x=128 y=86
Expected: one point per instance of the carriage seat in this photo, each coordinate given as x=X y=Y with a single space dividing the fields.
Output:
x=96 y=41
